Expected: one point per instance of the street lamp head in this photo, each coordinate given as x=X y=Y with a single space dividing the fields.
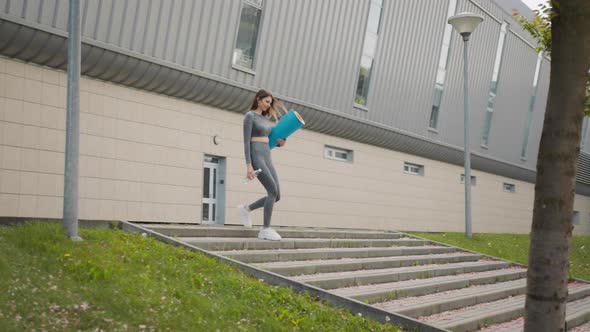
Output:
x=465 y=23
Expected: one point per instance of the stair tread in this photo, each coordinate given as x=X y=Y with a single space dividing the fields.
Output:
x=360 y=260
x=253 y=243
x=211 y=239
x=428 y=267
x=320 y=250
x=279 y=228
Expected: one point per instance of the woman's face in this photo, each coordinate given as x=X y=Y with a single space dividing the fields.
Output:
x=264 y=103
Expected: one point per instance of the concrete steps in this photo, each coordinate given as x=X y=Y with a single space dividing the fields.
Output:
x=577 y=312
x=420 y=273
x=434 y=303
x=475 y=317
x=441 y=287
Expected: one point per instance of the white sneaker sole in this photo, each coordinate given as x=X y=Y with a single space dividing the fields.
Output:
x=269 y=236
x=244 y=217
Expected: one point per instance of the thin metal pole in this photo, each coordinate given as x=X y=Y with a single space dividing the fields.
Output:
x=71 y=171
x=466 y=143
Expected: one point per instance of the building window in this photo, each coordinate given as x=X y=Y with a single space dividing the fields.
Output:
x=576 y=218
x=247 y=39
x=494 y=85
x=473 y=179
x=442 y=68
x=413 y=169
x=337 y=154
x=369 y=49
x=525 y=141
x=509 y=188
x=584 y=132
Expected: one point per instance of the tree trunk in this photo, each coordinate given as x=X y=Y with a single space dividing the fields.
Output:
x=547 y=276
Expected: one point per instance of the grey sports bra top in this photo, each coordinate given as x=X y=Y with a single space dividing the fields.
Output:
x=255 y=125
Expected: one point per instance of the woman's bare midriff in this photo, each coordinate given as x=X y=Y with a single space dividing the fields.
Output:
x=259 y=139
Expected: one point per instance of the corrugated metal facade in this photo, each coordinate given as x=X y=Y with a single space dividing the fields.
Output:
x=309 y=52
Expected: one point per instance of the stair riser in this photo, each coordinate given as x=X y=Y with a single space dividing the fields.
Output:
x=497 y=318
x=291 y=244
x=378 y=279
x=578 y=294
x=578 y=320
x=342 y=267
x=204 y=232
x=283 y=257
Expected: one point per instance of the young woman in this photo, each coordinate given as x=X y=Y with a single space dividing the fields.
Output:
x=257 y=152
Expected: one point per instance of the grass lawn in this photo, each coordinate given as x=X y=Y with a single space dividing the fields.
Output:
x=515 y=247
x=116 y=281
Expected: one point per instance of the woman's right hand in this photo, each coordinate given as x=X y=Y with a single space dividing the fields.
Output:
x=250 y=172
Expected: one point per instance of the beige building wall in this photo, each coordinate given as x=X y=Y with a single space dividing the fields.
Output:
x=141 y=157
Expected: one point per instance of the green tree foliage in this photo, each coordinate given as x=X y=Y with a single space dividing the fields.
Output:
x=540 y=29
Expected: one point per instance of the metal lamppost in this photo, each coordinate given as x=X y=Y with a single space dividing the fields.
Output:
x=465 y=23
x=71 y=171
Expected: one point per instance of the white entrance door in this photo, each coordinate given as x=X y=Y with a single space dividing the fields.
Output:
x=210 y=175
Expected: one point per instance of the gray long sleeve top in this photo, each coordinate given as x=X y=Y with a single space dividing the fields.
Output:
x=255 y=125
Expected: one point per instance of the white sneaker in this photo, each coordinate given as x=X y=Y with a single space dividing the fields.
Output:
x=269 y=234
x=245 y=216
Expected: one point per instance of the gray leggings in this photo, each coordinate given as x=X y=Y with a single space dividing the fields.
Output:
x=260 y=153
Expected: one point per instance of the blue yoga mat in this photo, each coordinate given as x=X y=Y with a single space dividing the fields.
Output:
x=286 y=126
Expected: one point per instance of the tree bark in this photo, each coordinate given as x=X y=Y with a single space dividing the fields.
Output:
x=547 y=275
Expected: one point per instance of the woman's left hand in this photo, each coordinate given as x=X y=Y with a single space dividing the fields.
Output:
x=281 y=142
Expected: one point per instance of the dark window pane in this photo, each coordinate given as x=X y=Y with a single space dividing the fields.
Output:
x=362 y=89
x=434 y=117
x=214 y=183
x=205 y=211
x=487 y=126
x=437 y=96
x=341 y=155
x=206 y=175
x=247 y=36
